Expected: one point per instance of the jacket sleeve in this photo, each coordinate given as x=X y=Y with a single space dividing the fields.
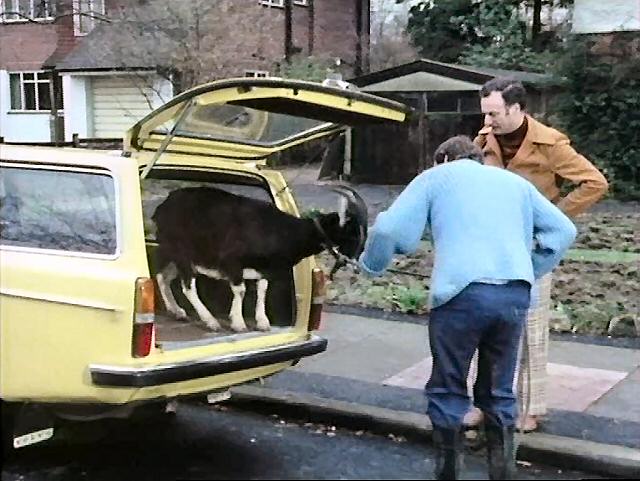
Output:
x=553 y=234
x=398 y=230
x=591 y=184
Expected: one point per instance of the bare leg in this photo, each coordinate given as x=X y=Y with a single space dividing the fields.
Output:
x=191 y=293
x=164 y=279
x=235 y=314
x=261 y=316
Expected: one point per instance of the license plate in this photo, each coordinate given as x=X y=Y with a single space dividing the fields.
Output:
x=32 y=438
x=216 y=397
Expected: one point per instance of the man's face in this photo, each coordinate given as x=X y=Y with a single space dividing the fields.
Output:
x=502 y=118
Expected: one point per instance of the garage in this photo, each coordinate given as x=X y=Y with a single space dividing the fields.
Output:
x=120 y=101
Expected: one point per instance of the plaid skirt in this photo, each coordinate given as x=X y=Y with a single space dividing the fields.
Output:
x=532 y=369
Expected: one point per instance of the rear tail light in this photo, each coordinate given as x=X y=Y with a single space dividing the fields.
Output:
x=144 y=318
x=318 y=292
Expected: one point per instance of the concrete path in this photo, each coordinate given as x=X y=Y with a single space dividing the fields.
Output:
x=583 y=378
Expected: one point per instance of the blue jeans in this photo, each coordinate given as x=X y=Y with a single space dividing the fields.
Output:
x=489 y=318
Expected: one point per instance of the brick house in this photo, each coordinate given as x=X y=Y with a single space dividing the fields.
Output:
x=47 y=51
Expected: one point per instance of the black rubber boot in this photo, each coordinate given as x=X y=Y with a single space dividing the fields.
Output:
x=449 y=449
x=501 y=452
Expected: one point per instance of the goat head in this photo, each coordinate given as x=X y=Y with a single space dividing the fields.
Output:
x=353 y=220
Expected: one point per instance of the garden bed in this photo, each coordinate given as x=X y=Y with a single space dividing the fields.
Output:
x=596 y=288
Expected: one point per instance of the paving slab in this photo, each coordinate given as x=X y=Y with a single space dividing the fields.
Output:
x=592 y=356
x=413 y=377
x=623 y=402
x=570 y=388
x=372 y=361
x=575 y=388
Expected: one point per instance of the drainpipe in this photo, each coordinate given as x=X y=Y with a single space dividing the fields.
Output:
x=358 y=66
x=288 y=31
x=312 y=26
x=366 y=36
x=56 y=126
x=363 y=24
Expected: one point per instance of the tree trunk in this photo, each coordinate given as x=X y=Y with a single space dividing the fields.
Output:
x=536 y=27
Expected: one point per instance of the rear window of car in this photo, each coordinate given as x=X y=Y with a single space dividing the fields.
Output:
x=62 y=210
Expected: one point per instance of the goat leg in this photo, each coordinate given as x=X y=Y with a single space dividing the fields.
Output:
x=235 y=314
x=164 y=279
x=191 y=293
x=262 y=321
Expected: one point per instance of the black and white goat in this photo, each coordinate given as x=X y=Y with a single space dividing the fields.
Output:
x=220 y=235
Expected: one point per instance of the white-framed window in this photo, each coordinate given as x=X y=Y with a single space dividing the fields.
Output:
x=24 y=10
x=30 y=91
x=256 y=73
x=280 y=3
x=86 y=13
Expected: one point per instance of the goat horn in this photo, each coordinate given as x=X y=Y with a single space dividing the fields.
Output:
x=351 y=195
x=356 y=209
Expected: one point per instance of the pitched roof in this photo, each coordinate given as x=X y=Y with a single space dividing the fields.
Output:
x=91 y=54
x=430 y=75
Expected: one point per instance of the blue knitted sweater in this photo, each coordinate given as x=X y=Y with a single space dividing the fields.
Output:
x=485 y=223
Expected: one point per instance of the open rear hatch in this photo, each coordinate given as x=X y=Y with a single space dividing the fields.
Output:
x=215 y=135
x=250 y=119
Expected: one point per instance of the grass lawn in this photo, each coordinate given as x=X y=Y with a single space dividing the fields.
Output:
x=605 y=256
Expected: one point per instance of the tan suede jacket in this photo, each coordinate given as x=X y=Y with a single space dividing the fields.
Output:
x=546 y=159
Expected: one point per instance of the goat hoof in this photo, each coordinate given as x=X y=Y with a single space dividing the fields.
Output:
x=238 y=328
x=213 y=325
x=180 y=314
x=263 y=326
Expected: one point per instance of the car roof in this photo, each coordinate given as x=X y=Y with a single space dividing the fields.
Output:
x=107 y=159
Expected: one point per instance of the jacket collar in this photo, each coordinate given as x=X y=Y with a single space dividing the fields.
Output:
x=537 y=133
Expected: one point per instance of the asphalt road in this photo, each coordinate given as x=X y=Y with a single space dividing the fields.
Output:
x=204 y=442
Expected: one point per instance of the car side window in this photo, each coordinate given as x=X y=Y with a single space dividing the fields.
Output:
x=63 y=210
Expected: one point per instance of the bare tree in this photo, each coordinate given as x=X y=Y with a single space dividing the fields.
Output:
x=390 y=44
x=194 y=41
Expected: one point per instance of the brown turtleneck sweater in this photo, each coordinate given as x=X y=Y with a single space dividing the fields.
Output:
x=511 y=142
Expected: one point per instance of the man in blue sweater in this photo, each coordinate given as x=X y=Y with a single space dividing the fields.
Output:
x=493 y=235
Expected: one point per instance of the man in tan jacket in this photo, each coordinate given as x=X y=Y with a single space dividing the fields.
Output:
x=514 y=140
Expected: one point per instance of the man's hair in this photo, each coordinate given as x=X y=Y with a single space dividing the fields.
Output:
x=458 y=147
x=513 y=92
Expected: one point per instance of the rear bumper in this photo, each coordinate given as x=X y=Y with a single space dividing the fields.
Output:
x=119 y=376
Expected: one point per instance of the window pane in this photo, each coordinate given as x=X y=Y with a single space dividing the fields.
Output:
x=470 y=102
x=24 y=7
x=85 y=21
x=244 y=124
x=70 y=211
x=44 y=96
x=29 y=96
x=41 y=8
x=7 y=6
x=98 y=7
x=84 y=24
x=28 y=76
x=16 y=97
x=442 y=102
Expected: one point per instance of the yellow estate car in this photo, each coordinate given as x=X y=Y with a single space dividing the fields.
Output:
x=80 y=332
